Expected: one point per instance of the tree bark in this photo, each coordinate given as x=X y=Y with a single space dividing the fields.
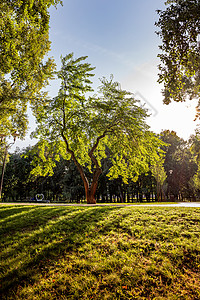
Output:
x=90 y=195
x=90 y=190
x=3 y=171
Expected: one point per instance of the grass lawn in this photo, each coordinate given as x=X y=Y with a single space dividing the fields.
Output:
x=99 y=252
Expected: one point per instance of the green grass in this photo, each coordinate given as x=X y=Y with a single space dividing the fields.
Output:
x=99 y=252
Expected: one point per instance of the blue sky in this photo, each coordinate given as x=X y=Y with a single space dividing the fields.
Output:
x=118 y=36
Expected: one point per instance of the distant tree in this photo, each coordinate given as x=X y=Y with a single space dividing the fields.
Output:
x=17 y=183
x=24 y=36
x=194 y=143
x=179 y=29
x=81 y=127
x=179 y=165
x=160 y=176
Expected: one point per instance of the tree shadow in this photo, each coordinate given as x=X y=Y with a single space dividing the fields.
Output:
x=38 y=236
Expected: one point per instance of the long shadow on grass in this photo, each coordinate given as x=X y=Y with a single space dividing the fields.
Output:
x=10 y=210
x=17 y=223
x=31 y=237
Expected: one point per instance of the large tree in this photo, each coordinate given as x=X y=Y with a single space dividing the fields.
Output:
x=24 y=42
x=179 y=29
x=82 y=127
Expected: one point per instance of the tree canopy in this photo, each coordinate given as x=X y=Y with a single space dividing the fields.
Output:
x=179 y=29
x=85 y=128
x=24 y=35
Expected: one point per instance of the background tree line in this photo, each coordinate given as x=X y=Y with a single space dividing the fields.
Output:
x=182 y=180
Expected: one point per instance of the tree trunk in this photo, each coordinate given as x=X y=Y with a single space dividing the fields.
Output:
x=111 y=196
x=90 y=196
x=3 y=171
x=89 y=190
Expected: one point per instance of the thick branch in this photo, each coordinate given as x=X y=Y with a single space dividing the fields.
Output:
x=80 y=168
x=95 y=179
x=64 y=116
x=98 y=170
x=93 y=158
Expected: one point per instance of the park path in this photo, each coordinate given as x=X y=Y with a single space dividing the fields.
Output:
x=179 y=204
